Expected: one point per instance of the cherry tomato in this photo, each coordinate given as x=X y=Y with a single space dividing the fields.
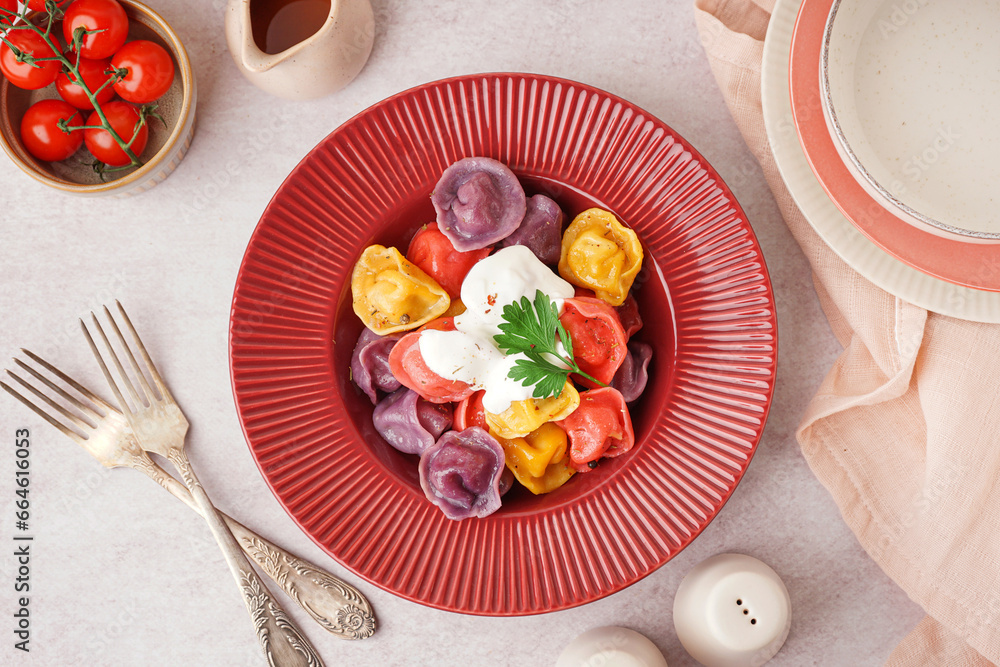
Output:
x=39 y=5
x=22 y=74
x=8 y=10
x=94 y=73
x=150 y=71
x=41 y=134
x=105 y=15
x=123 y=118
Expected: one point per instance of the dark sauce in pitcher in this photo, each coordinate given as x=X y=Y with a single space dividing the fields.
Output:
x=281 y=24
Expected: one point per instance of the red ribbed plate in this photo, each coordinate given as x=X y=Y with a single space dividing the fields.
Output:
x=705 y=297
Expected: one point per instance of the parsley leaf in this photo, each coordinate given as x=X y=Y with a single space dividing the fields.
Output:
x=534 y=330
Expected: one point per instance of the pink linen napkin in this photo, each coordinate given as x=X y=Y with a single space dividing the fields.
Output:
x=902 y=431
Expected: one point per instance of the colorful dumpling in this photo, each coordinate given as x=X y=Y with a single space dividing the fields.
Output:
x=539 y=460
x=523 y=417
x=601 y=254
x=370 y=364
x=478 y=201
x=455 y=309
x=444 y=323
x=601 y=426
x=470 y=412
x=632 y=376
x=598 y=338
x=392 y=294
x=541 y=229
x=628 y=314
x=433 y=252
x=506 y=481
x=460 y=473
x=408 y=422
x=409 y=367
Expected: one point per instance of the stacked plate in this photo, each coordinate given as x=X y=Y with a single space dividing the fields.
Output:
x=893 y=155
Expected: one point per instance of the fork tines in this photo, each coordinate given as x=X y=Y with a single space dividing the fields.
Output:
x=145 y=394
x=72 y=416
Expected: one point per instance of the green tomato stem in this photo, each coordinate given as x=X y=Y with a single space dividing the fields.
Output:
x=109 y=82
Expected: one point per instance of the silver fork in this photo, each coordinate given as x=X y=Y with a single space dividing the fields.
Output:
x=160 y=427
x=103 y=432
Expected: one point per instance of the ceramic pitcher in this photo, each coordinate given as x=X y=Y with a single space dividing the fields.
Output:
x=318 y=64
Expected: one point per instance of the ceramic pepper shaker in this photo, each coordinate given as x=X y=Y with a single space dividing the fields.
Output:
x=732 y=610
x=620 y=647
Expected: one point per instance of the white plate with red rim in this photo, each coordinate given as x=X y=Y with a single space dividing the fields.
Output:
x=833 y=227
x=910 y=92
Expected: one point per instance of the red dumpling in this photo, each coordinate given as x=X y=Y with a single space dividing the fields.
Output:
x=408 y=366
x=601 y=426
x=433 y=252
x=599 y=341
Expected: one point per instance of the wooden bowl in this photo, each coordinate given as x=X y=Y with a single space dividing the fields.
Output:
x=165 y=149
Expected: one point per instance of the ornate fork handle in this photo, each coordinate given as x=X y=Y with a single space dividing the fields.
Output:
x=313 y=589
x=283 y=644
x=331 y=602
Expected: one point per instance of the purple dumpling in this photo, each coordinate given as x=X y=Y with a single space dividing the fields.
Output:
x=631 y=377
x=370 y=364
x=541 y=230
x=460 y=473
x=628 y=315
x=506 y=481
x=408 y=422
x=479 y=201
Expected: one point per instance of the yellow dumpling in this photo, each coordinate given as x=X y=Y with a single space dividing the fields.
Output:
x=601 y=254
x=539 y=460
x=455 y=309
x=392 y=294
x=523 y=417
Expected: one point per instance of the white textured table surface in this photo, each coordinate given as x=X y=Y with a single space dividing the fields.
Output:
x=121 y=574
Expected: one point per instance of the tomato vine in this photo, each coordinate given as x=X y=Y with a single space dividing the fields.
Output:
x=41 y=23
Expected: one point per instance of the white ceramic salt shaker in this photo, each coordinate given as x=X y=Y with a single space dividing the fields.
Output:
x=611 y=647
x=732 y=610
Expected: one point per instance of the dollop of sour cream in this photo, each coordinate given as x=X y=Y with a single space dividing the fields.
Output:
x=469 y=354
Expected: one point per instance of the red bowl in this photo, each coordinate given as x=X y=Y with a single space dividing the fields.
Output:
x=704 y=295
